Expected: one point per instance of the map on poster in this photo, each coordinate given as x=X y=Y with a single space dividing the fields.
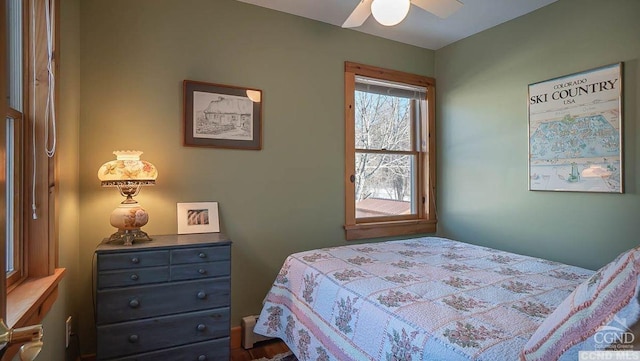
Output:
x=575 y=132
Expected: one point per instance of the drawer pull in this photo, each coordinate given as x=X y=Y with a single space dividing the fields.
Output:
x=135 y=260
x=201 y=327
x=134 y=303
x=202 y=255
x=202 y=295
x=202 y=358
x=134 y=277
x=202 y=271
x=133 y=338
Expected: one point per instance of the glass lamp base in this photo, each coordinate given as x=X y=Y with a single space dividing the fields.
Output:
x=128 y=236
x=128 y=218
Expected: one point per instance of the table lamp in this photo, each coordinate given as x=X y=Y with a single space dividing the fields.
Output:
x=129 y=174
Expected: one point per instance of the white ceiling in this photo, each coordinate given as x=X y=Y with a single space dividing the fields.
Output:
x=420 y=28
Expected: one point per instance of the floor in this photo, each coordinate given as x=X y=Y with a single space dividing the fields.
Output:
x=262 y=349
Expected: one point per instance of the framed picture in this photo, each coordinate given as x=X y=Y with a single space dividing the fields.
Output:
x=222 y=116
x=198 y=217
x=575 y=132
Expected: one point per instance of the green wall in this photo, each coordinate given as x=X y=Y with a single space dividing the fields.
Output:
x=482 y=133
x=285 y=198
x=122 y=68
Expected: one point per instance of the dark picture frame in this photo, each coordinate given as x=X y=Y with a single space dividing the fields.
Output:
x=222 y=116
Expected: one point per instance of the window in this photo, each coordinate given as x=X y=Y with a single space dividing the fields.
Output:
x=28 y=144
x=389 y=153
x=14 y=143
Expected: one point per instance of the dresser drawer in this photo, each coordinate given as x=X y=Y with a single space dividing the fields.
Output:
x=216 y=350
x=200 y=270
x=122 y=304
x=132 y=260
x=201 y=254
x=131 y=277
x=130 y=338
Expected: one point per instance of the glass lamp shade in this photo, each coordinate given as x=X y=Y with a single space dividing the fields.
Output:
x=128 y=173
x=390 y=12
x=127 y=169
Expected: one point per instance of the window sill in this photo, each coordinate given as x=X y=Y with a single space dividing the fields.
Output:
x=29 y=302
x=389 y=229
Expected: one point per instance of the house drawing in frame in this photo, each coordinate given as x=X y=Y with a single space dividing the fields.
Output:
x=221 y=116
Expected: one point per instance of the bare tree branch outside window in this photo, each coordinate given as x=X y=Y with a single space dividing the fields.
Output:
x=382 y=123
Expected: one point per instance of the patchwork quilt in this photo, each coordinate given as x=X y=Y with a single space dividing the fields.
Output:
x=419 y=299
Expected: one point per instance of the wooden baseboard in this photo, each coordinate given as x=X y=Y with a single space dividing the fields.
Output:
x=236 y=337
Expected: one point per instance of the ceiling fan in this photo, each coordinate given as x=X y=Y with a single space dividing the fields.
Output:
x=392 y=12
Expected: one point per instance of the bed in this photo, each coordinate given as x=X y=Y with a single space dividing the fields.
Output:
x=437 y=299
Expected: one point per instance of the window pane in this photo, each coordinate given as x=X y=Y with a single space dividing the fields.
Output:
x=384 y=185
x=10 y=191
x=14 y=51
x=382 y=122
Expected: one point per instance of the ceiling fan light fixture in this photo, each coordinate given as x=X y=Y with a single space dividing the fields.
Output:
x=390 y=12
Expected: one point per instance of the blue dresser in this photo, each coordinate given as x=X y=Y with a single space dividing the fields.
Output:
x=167 y=299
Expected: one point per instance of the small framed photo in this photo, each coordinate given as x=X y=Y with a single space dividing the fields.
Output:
x=198 y=217
x=222 y=116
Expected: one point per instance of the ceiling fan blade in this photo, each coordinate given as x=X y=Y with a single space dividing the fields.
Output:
x=359 y=14
x=440 y=8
